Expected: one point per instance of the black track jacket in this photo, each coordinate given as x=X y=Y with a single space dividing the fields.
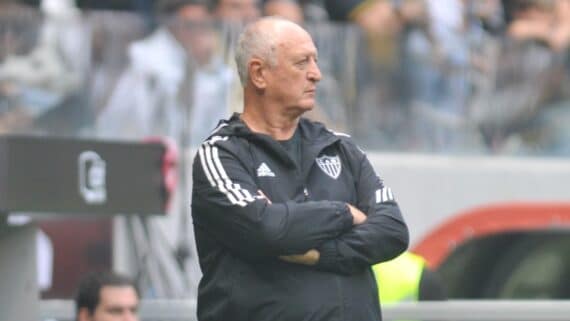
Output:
x=239 y=234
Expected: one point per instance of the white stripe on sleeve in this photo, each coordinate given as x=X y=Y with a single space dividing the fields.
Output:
x=384 y=195
x=217 y=176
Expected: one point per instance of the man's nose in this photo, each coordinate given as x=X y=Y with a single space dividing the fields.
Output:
x=314 y=73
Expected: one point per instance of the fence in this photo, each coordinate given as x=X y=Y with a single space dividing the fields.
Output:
x=456 y=310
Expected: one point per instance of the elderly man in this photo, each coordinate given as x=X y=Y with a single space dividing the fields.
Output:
x=288 y=216
x=106 y=296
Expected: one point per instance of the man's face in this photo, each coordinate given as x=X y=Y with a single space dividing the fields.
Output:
x=193 y=28
x=293 y=81
x=116 y=303
x=237 y=10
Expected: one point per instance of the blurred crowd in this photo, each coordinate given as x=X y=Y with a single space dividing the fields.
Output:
x=441 y=76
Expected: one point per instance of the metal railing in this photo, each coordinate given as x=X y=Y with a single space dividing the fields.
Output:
x=456 y=310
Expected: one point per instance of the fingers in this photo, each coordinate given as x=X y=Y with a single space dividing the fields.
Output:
x=358 y=217
x=263 y=196
x=309 y=258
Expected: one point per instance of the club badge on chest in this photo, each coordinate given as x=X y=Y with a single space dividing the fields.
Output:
x=330 y=165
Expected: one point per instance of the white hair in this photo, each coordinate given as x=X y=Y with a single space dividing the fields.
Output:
x=256 y=41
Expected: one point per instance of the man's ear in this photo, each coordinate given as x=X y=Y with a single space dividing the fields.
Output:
x=84 y=315
x=256 y=69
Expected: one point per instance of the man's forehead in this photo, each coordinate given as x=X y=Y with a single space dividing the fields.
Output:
x=290 y=32
x=299 y=45
x=193 y=11
x=237 y=2
x=304 y=49
x=118 y=294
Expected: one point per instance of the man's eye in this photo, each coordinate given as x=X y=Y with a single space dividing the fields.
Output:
x=116 y=311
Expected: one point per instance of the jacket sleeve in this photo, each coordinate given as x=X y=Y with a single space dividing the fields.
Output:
x=383 y=236
x=227 y=206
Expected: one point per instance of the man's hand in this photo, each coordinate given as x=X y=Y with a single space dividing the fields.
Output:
x=312 y=256
x=309 y=258
x=262 y=195
x=357 y=216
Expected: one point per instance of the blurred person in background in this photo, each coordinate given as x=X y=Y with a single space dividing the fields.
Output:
x=407 y=278
x=35 y=78
x=176 y=86
x=39 y=90
x=235 y=11
x=436 y=68
x=314 y=11
x=232 y=15
x=106 y=296
x=111 y=33
x=545 y=129
x=381 y=20
x=175 y=78
x=378 y=19
x=382 y=100
x=525 y=104
x=288 y=9
x=540 y=20
x=421 y=54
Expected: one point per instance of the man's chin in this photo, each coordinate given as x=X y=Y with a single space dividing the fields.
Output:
x=305 y=108
x=308 y=104
x=298 y=111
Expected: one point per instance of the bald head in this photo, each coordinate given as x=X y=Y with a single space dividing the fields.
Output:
x=260 y=39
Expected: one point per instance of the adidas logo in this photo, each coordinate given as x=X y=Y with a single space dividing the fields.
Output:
x=264 y=170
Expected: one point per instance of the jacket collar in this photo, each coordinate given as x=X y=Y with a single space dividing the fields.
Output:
x=314 y=138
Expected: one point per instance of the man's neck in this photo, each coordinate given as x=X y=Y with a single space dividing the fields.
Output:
x=277 y=125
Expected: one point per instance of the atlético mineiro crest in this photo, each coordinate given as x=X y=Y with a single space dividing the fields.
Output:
x=331 y=165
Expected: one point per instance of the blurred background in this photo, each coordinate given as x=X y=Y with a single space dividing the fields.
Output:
x=463 y=106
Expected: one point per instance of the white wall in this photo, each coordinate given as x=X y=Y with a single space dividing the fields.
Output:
x=430 y=189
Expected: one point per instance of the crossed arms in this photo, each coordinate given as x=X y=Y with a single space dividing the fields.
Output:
x=327 y=235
